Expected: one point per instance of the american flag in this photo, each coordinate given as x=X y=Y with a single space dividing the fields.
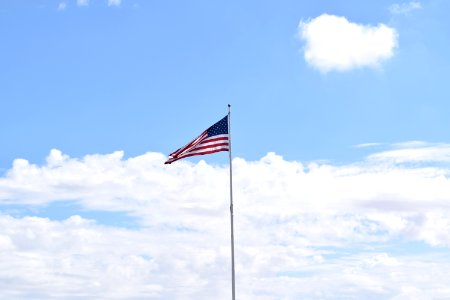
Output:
x=212 y=140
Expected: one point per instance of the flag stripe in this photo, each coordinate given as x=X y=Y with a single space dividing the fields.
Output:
x=206 y=143
x=214 y=137
x=196 y=154
x=191 y=144
x=212 y=140
x=215 y=145
x=205 y=150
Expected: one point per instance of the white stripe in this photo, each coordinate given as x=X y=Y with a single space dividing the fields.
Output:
x=216 y=136
x=204 y=150
x=194 y=143
x=212 y=143
x=206 y=142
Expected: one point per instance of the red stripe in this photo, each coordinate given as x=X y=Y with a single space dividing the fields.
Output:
x=200 y=149
x=207 y=140
x=199 y=152
x=194 y=154
x=195 y=142
x=202 y=142
x=212 y=139
x=196 y=146
x=210 y=146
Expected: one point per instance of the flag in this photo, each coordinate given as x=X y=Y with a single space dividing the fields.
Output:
x=212 y=140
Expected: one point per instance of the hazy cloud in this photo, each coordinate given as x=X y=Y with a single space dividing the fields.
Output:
x=367 y=145
x=404 y=8
x=417 y=152
x=114 y=2
x=334 y=43
x=82 y=2
x=62 y=6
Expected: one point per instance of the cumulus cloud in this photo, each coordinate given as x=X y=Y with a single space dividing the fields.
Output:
x=300 y=227
x=77 y=258
x=334 y=43
x=404 y=8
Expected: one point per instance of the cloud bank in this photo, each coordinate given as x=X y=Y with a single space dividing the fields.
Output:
x=334 y=43
x=378 y=228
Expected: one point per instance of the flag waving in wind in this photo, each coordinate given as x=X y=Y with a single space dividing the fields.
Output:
x=212 y=140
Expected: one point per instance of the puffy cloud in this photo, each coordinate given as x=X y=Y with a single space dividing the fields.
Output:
x=269 y=190
x=334 y=43
x=299 y=227
x=77 y=258
x=404 y=8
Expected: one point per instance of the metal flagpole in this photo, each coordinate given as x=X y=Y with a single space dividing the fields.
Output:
x=231 y=206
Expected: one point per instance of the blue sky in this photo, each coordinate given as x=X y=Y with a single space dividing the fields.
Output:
x=340 y=133
x=95 y=79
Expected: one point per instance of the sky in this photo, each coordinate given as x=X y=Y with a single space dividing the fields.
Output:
x=341 y=149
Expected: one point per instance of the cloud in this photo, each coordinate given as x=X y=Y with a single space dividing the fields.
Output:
x=114 y=2
x=299 y=227
x=415 y=152
x=367 y=145
x=404 y=8
x=73 y=259
x=82 y=2
x=334 y=43
x=62 y=6
x=158 y=194
x=77 y=258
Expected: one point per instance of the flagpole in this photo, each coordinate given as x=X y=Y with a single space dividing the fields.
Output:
x=231 y=205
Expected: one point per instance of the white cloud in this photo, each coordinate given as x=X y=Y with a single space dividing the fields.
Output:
x=299 y=228
x=415 y=152
x=114 y=2
x=367 y=145
x=76 y=258
x=404 y=8
x=62 y=6
x=82 y=2
x=334 y=43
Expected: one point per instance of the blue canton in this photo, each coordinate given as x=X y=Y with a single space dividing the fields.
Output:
x=220 y=127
